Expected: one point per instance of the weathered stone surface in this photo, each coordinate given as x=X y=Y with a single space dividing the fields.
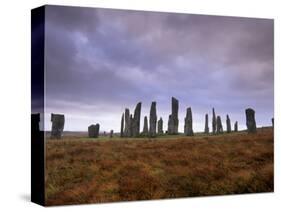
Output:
x=131 y=126
x=57 y=125
x=214 y=122
x=93 y=130
x=145 y=127
x=173 y=122
x=272 y=121
x=188 y=123
x=111 y=134
x=122 y=126
x=136 y=121
x=250 y=120
x=236 y=127
x=35 y=119
x=219 y=125
x=152 y=120
x=160 y=126
x=206 y=124
x=127 y=130
x=228 y=124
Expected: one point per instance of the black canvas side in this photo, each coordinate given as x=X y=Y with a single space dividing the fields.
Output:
x=37 y=106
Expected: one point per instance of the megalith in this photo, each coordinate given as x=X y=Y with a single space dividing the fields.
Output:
x=152 y=120
x=93 y=130
x=206 y=124
x=250 y=120
x=136 y=121
x=111 y=134
x=214 y=122
x=127 y=129
x=272 y=121
x=236 y=127
x=228 y=124
x=122 y=126
x=219 y=125
x=145 y=127
x=188 y=123
x=160 y=126
x=173 y=122
x=57 y=125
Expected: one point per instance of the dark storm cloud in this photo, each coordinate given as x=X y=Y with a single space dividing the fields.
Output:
x=100 y=61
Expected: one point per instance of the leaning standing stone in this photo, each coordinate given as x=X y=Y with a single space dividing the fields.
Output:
x=250 y=120
x=188 y=123
x=93 y=130
x=57 y=125
x=152 y=120
x=145 y=127
x=206 y=124
x=136 y=121
x=160 y=126
x=214 y=122
x=228 y=124
x=219 y=125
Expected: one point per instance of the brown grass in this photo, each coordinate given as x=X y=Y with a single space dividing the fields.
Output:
x=83 y=170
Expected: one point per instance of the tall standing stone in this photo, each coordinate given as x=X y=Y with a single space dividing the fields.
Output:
x=145 y=126
x=250 y=120
x=219 y=125
x=152 y=120
x=236 y=127
x=188 y=123
x=173 y=122
x=93 y=130
x=228 y=124
x=127 y=130
x=206 y=124
x=214 y=122
x=122 y=126
x=160 y=126
x=57 y=125
x=131 y=126
x=111 y=133
x=136 y=121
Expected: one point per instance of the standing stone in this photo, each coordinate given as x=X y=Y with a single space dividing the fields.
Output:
x=111 y=133
x=188 y=123
x=145 y=127
x=136 y=121
x=272 y=120
x=250 y=120
x=214 y=122
x=57 y=125
x=127 y=123
x=228 y=124
x=131 y=126
x=122 y=126
x=206 y=124
x=160 y=126
x=152 y=120
x=236 y=127
x=173 y=122
x=93 y=130
x=219 y=125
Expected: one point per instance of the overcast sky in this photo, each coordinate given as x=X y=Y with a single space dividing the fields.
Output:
x=101 y=61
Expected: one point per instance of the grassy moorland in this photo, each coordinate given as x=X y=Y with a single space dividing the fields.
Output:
x=84 y=170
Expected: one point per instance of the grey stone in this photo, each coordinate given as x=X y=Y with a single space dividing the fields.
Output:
x=111 y=134
x=214 y=122
x=228 y=124
x=127 y=129
x=236 y=127
x=122 y=126
x=206 y=124
x=219 y=125
x=131 y=126
x=57 y=125
x=188 y=123
x=93 y=130
x=145 y=127
x=160 y=126
x=136 y=121
x=173 y=122
x=152 y=120
x=250 y=120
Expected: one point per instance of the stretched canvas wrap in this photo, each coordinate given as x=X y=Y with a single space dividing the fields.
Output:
x=137 y=105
